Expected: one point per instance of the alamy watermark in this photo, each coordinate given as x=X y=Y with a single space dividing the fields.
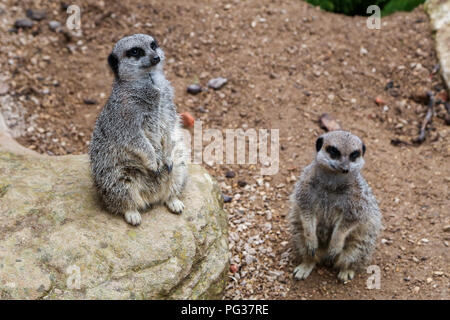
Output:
x=263 y=147
x=73 y=22
x=374 y=21
x=374 y=281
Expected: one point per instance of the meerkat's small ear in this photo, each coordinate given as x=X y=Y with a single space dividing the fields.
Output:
x=364 y=148
x=114 y=64
x=319 y=144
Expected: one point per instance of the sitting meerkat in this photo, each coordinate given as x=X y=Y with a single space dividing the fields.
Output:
x=334 y=217
x=138 y=157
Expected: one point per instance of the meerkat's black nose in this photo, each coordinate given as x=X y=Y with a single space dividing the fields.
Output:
x=156 y=60
x=344 y=170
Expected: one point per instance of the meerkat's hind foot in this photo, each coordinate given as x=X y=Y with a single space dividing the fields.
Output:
x=346 y=275
x=175 y=205
x=303 y=270
x=133 y=218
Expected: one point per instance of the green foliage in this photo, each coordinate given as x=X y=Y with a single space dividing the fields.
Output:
x=359 y=7
x=400 y=5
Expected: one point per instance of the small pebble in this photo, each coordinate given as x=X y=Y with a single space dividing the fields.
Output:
x=217 y=83
x=37 y=15
x=379 y=101
x=230 y=174
x=54 y=25
x=389 y=85
x=328 y=123
x=23 y=23
x=249 y=259
x=242 y=183
x=227 y=199
x=89 y=101
x=194 y=89
x=202 y=110
x=4 y=88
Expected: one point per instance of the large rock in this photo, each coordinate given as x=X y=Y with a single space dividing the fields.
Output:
x=439 y=12
x=57 y=243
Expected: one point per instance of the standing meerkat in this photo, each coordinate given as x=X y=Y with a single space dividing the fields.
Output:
x=137 y=153
x=334 y=217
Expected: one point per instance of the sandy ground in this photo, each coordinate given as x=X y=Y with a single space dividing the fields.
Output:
x=286 y=64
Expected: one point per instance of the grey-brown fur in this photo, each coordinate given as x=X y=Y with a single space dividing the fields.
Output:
x=334 y=217
x=137 y=153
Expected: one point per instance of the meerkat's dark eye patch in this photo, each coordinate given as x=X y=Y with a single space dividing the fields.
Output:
x=333 y=152
x=135 y=52
x=364 y=148
x=154 y=45
x=354 y=155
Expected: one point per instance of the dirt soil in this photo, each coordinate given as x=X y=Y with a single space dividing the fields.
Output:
x=286 y=64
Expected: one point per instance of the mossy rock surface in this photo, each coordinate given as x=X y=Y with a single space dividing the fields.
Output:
x=56 y=242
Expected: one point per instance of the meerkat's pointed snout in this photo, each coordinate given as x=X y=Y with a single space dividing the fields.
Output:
x=345 y=167
x=155 y=60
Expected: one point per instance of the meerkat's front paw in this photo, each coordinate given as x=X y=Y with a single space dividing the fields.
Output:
x=133 y=218
x=346 y=275
x=303 y=270
x=175 y=205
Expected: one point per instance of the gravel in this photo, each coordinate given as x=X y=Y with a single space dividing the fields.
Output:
x=227 y=199
x=37 y=15
x=217 y=83
x=23 y=23
x=230 y=174
x=4 y=87
x=194 y=89
x=54 y=25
